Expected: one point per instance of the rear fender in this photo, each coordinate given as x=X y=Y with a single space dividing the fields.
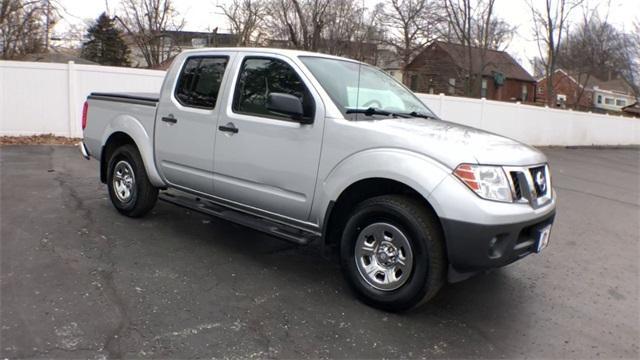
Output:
x=143 y=140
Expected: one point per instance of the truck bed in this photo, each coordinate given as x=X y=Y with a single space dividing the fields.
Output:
x=110 y=109
x=133 y=97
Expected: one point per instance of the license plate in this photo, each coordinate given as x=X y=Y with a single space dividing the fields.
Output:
x=543 y=238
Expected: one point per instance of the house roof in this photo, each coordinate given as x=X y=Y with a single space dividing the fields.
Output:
x=166 y=64
x=56 y=57
x=186 y=38
x=388 y=60
x=632 y=109
x=618 y=85
x=495 y=61
x=570 y=77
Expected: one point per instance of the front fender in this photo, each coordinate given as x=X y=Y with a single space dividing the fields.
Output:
x=143 y=140
x=415 y=170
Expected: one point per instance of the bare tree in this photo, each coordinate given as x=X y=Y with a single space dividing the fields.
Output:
x=345 y=20
x=301 y=22
x=631 y=57
x=473 y=24
x=537 y=64
x=594 y=48
x=246 y=18
x=550 y=22
x=352 y=30
x=340 y=27
x=410 y=25
x=146 y=22
x=24 y=27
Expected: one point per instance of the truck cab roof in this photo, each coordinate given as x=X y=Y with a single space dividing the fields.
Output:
x=265 y=50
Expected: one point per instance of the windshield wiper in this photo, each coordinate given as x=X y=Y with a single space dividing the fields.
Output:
x=374 y=111
x=421 y=115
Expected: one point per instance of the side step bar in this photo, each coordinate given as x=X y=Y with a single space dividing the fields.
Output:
x=204 y=206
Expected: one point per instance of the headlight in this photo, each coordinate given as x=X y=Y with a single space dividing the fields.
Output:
x=489 y=182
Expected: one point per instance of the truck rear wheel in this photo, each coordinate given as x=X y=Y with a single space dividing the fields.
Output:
x=129 y=188
x=392 y=252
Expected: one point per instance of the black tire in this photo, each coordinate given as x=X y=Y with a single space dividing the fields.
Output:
x=422 y=231
x=143 y=195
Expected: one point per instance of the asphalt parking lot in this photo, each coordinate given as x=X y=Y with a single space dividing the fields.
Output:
x=77 y=280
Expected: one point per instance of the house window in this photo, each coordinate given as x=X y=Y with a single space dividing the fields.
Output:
x=599 y=99
x=609 y=101
x=452 y=86
x=561 y=100
x=483 y=90
x=621 y=102
x=525 y=92
x=414 y=82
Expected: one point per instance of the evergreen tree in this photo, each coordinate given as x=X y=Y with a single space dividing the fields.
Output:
x=105 y=45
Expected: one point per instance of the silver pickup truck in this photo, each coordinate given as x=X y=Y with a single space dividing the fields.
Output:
x=310 y=147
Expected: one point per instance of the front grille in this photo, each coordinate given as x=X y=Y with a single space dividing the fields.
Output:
x=525 y=187
x=539 y=178
x=516 y=184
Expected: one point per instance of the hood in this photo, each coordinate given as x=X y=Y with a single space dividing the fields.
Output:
x=452 y=143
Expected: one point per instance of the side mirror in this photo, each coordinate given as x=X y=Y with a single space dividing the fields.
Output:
x=288 y=105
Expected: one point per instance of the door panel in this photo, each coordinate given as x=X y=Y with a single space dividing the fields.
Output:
x=271 y=162
x=187 y=120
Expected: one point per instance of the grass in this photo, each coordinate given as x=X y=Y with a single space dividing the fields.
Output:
x=47 y=139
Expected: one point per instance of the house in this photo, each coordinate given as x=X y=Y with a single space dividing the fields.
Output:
x=586 y=92
x=612 y=95
x=440 y=68
x=568 y=89
x=389 y=61
x=173 y=42
x=362 y=51
x=633 y=109
x=58 y=55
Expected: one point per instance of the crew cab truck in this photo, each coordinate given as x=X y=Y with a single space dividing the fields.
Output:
x=311 y=147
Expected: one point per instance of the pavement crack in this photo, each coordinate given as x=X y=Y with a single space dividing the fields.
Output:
x=77 y=201
x=113 y=341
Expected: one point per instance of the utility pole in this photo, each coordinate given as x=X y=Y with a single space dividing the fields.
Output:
x=46 y=36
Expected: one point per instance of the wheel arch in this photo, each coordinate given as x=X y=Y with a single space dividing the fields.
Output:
x=383 y=166
x=338 y=210
x=128 y=130
x=114 y=141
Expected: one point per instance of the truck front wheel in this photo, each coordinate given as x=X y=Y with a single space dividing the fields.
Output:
x=392 y=252
x=129 y=188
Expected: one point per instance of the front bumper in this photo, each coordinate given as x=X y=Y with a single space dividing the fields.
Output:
x=473 y=248
x=482 y=234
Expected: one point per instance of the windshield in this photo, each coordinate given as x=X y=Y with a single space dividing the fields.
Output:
x=354 y=86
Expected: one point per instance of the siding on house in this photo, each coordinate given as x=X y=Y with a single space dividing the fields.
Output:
x=584 y=92
x=568 y=91
x=440 y=68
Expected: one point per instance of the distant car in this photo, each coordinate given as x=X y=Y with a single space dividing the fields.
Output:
x=307 y=146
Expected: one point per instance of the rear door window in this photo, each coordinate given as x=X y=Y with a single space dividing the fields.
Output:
x=199 y=81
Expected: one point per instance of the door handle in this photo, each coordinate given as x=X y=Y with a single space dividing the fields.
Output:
x=169 y=119
x=228 y=128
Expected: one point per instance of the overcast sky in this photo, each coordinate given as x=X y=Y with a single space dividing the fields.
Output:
x=203 y=15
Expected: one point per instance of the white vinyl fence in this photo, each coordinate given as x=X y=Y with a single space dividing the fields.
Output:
x=536 y=125
x=46 y=98
x=40 y=98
